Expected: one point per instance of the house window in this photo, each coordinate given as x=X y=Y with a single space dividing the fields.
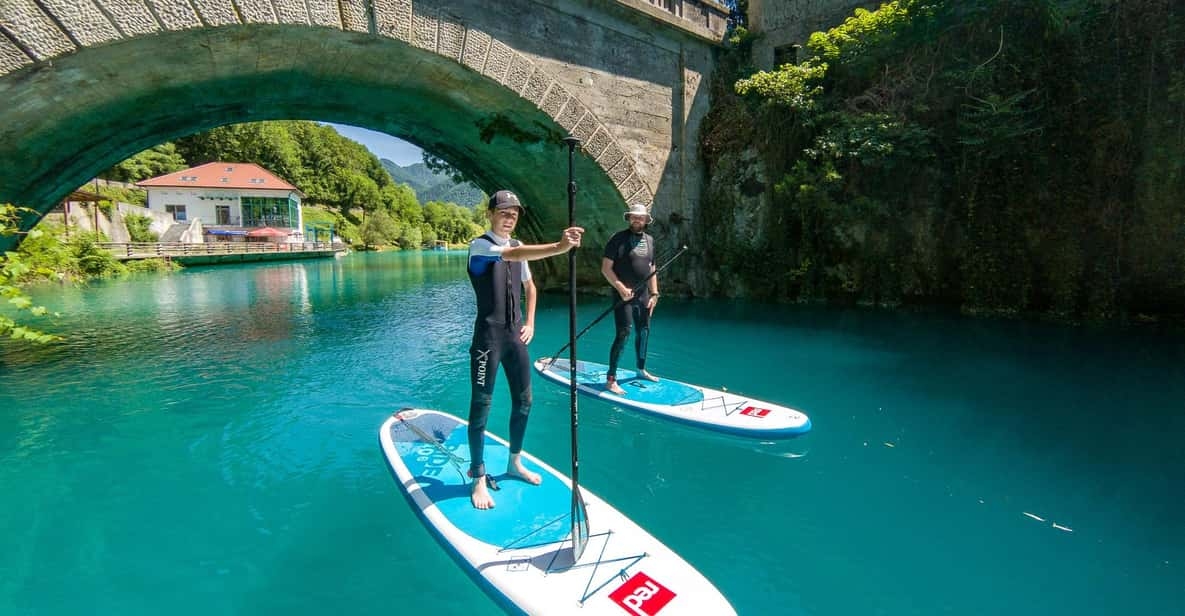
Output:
x=786 y=54
x=256 y=180
x=222 y=214
x=189 y=178
x=229 y=169
x=270 y=212
x=178 y=211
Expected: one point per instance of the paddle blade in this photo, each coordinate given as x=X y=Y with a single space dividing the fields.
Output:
x=579 y=526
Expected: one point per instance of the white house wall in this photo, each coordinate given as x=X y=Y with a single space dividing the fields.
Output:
x=203 y=209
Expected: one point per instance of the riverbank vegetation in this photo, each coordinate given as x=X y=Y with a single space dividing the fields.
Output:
x=52 y=256
x=1003 y=156
x=12 y=269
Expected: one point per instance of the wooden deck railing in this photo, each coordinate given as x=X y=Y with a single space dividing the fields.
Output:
x=143 y=250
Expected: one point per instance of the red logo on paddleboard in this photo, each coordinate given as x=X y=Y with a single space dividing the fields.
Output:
x=642 y=596
x=753 y=411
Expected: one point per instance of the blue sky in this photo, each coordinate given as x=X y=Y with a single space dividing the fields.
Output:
x=381 y=144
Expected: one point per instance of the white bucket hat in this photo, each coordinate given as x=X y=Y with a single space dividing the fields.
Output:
x=638 y=209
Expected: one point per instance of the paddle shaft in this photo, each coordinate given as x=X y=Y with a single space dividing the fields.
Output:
x=637 y=289
x=577 y=544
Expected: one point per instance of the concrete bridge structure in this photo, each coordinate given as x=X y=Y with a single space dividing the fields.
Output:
x=491 y=87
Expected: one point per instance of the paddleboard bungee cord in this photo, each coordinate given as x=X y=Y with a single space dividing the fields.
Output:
x=456 y=460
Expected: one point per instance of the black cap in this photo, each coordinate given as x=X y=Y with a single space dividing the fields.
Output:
x=504 y=199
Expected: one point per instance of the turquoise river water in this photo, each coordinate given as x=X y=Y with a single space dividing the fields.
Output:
x=206 y=443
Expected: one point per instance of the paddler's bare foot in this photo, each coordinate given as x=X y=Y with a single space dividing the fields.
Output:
x=480 y=496
x=515 y=468
x=615 y=388
x=647 y=376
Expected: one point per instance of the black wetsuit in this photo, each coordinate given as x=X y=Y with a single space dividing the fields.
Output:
x=498 y=286
x=633 y=260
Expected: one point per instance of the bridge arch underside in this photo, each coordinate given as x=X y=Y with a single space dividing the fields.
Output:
x=67 y=119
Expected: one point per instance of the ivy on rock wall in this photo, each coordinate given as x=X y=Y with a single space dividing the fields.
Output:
x=1000 y=155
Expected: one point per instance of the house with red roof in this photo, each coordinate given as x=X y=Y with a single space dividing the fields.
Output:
x=230 y=199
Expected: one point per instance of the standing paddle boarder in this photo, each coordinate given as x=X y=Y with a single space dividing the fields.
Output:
x=628 y=260
x=499 y=274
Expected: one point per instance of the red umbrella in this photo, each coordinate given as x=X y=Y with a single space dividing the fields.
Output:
x=267 y=232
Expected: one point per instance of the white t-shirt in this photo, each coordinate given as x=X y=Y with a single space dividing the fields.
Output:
x=483 y=253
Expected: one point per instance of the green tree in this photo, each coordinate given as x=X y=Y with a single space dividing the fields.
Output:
x=12 y=269
x=157 y=160
x=268 y=144
x=427 y=236
x=378 y=229
x=411 y=236
x=138 y=228
x=478 y=213
x=135 y=196
x=452 y=223
x=93 y=261
x=356 y=191
x=401 y=202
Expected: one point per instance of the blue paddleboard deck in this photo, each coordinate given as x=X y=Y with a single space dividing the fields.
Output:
x=522 y=509
x=521 y=551
x=717 y=410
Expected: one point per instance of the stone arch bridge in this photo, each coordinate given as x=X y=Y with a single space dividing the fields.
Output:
x=490 y=86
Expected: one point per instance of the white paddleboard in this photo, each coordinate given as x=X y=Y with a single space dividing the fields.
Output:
x=521 y=550
x=721 y=411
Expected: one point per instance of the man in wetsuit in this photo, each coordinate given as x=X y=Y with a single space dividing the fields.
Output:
x=629 y=259
x=499 y=274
